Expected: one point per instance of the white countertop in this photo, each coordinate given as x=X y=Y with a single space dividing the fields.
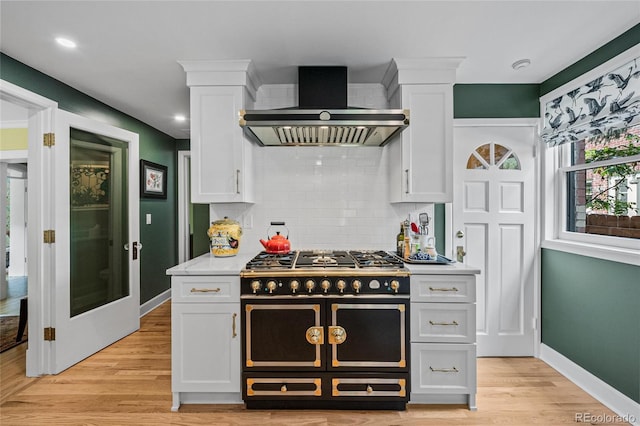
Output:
x=450 y=269
x=207 y=264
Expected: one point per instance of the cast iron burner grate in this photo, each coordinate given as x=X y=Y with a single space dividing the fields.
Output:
x=373 y=259
x=266 y=260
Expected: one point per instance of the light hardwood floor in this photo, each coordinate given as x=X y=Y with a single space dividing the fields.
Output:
x=129 y=383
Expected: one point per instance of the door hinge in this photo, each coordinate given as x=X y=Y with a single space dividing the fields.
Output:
x=49 y=139
x=49 y=236
x=49 y=334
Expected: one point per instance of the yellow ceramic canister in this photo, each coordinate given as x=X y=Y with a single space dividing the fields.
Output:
x=225 y=237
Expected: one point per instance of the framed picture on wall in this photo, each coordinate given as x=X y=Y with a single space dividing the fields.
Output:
x=153 y=180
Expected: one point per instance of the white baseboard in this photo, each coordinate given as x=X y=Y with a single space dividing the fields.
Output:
x=150 y=305
x=622 y=405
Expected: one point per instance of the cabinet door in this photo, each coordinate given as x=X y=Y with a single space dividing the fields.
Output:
x=426 y=156
x=220 y=154
x=205 y=347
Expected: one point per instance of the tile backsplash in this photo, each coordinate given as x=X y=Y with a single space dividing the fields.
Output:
x=329 y=197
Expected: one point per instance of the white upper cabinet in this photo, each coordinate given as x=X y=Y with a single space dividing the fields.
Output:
x=221 y=155
x=421 y=163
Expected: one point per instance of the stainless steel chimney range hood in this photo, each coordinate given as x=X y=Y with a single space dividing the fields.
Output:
x=322 y=117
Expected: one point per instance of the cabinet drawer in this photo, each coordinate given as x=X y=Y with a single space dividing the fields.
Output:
x=443 y=322
x=205 y=288
x=443 y=288
x=282 y=387
x=443 y=368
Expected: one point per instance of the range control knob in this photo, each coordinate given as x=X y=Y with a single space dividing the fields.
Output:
x=294 y=285
x=271 y=285
x=341 y=285
x=325 y=285
x=310 y=285
x=395 y=285
x=356 y=285
x=255 y=286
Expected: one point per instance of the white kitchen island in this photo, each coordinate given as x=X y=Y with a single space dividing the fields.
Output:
x=206 y=345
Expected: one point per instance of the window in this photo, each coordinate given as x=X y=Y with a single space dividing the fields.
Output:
x=493 y=154
x=602 y=185
x=589 y=194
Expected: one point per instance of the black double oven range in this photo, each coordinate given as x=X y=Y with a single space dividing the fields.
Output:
x=325 y=329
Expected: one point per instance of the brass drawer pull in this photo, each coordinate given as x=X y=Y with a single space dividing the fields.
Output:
x=443 y=289
x=444 y=370
x=443 y=323
x=205 y=290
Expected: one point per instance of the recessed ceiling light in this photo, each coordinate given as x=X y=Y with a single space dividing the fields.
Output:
x=65 y=42
x=180 y=117
x=521 y=63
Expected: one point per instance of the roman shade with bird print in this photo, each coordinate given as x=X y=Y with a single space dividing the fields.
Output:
x=600 y=108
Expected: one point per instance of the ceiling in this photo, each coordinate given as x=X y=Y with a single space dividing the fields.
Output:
x=128 y=50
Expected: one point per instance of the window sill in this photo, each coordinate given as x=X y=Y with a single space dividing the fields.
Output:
x=630 y=256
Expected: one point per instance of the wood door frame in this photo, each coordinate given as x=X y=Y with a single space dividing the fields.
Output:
x=449 y=237
x=40 y=255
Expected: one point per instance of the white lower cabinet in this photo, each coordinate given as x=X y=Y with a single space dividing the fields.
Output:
x=443 y=339
x=205 y=340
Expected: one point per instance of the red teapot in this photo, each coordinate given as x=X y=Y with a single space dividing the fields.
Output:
x=277 y=244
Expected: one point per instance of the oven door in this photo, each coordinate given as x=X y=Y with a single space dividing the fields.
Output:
x=283 y=334
x=366 y=333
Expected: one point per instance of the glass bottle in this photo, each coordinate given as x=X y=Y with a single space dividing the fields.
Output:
x=400 y=241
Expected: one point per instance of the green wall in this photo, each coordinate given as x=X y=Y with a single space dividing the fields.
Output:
x=610 y=50
x=591 y=315
x=495 y=100
x=159 y=239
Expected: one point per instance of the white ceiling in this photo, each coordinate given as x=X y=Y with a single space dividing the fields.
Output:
x=128 y=50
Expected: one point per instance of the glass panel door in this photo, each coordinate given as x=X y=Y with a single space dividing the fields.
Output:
x=98 y=221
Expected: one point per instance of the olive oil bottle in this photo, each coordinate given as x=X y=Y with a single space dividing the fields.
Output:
x=400 y=241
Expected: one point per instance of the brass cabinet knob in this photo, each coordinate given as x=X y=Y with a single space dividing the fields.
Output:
x=283 y=388
x=369 y=389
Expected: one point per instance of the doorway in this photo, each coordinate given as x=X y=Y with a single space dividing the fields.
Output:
x=494 y=229
x=13 y=178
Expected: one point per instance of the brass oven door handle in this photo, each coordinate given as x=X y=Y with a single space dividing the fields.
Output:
x=337 y=335
x=315 y=335
x=233 y=325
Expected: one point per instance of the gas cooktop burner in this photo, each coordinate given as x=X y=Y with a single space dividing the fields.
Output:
x=324 y=258
x=377 y=258
x=266 y=260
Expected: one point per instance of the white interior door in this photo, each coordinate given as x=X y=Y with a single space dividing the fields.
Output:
x=494 y=224
x=97 y=297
